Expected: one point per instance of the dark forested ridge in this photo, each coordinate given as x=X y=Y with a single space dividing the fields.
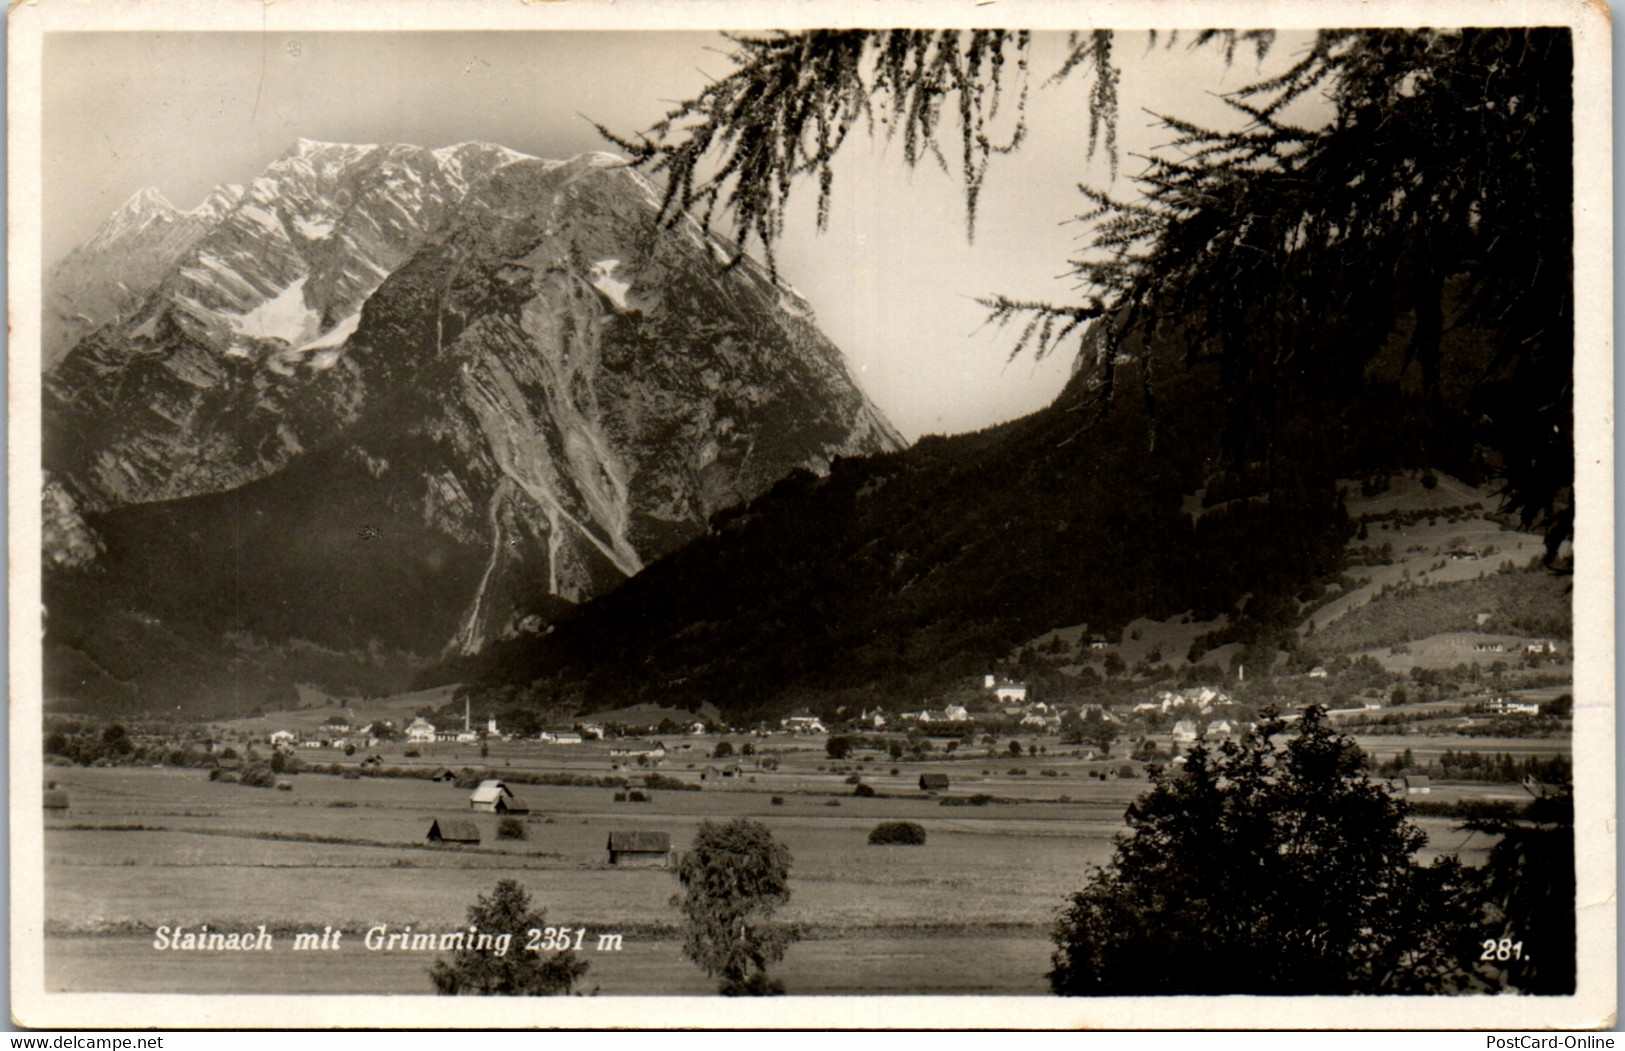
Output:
x=895 y=574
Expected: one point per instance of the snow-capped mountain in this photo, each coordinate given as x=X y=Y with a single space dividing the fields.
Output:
x=423 y=398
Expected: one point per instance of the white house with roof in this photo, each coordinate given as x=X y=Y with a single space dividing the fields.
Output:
x=803 y=724
x=283 y=737
x=420 y=730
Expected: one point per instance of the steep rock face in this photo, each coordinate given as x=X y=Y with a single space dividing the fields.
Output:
x=547 y=394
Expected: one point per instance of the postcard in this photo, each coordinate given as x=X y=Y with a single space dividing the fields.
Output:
x=910 y=515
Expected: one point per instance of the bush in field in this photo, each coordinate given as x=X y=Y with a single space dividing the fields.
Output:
x=411 y=753
x=900 y=833
x=483 y=972
x=259 y=775
x=635 y=796
x=1126 y=770
x=672 y=784
x=833 y=802
x=351 y=774
x=722 y=751
x=620 y=797
x=777 y=800
x=511 y=828
x=863 y=790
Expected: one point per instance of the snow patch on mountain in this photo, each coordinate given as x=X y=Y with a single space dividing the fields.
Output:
x=318 y=228
x=332 y=338
x=602 y=277
x=284 y=316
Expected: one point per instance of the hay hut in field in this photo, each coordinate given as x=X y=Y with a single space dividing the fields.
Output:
x=512 y=804
x=933 y=782
x=443 y=774
x=640 y=849
x=56 y=799
x=489 y=795
x=454 y=830
x=1418 y=785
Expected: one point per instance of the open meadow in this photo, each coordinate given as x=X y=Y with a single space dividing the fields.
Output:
x=967 y=912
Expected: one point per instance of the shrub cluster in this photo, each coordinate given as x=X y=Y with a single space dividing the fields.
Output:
x=900 y=833
x=979 y=799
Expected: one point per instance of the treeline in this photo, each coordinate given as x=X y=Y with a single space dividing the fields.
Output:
x=1496 y=767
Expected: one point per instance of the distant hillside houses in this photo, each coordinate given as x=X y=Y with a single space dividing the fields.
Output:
x=1204 y=698
x=1511 y=706
x=803 y=724
x=1005 y=690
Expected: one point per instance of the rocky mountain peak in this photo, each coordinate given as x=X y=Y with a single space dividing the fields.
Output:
x=501 y=376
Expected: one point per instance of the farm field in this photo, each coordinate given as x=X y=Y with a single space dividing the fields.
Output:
x=968 y=912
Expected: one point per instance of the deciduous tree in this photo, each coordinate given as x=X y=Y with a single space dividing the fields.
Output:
x=734 y=878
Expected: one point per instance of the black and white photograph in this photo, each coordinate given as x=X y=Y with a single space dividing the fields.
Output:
x=1002 y=514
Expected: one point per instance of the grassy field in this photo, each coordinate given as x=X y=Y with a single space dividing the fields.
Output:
x=968 y=912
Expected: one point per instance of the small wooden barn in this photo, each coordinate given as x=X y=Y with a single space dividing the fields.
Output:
x=489 y=796
x=933 y=782
x=56 y=799
x=453 y=830
x=443 y=774
x=640 y=849
x=1418 y=785
x=512 y=804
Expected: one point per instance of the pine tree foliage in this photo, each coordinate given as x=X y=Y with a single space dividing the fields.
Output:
x=1268 y=868
x=516 y=972
x=734 y=877
x=795 y=98
x=1423 y=234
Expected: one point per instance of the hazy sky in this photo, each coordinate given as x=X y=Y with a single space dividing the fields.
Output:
x=892 y=280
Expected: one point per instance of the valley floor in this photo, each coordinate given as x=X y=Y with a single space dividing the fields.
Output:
x=968 y=912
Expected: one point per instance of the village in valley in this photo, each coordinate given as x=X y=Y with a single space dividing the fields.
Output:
x=402 y=810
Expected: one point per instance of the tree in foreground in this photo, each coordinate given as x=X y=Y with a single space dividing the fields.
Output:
x=1529 y=941
x=734 y=878
x=1411 y=252
x=1268 y=867
x=515 y=972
